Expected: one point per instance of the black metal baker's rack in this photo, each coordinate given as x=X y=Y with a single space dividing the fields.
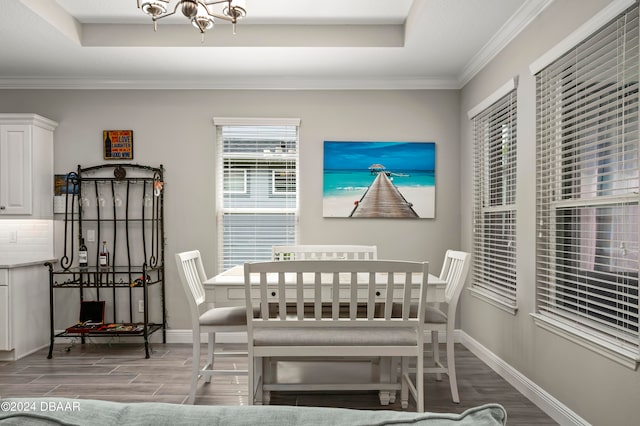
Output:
x=123 y=205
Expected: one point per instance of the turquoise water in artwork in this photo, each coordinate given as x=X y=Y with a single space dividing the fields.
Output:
x=350 y=182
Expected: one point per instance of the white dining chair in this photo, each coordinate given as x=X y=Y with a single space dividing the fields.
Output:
x=454 y=271
x=292 y=323
x=324 y=252
x=207 y=320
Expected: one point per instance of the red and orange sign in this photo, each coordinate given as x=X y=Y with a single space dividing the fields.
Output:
x=118 y=144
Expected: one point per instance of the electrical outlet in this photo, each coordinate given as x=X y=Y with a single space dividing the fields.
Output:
x=13 y=237
x=91 y=236
x=141 y=306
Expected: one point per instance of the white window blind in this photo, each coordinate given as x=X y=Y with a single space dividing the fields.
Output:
x=587 y=188
x=257 y=190
x=494 y=216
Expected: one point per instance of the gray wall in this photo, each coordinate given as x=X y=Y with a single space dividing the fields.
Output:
x=599 y=390
x=174 y=128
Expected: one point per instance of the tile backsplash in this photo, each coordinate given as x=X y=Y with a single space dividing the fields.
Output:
x=25 y=240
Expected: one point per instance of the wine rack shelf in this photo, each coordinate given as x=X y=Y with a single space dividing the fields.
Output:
x=121 y=205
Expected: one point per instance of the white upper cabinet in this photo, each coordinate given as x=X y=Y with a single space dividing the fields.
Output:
x=26 y=165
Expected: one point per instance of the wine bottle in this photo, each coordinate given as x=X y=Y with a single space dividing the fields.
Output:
x=83 y=256
x=107 y=145
x=103 y=257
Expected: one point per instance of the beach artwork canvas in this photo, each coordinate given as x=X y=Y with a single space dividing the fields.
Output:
x=379 y=179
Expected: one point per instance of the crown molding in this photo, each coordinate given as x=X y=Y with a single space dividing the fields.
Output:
x=229 y=83
x=30 y=118
x=519 y=21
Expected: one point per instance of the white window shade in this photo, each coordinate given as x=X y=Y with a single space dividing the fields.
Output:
x=257 y=189
x=494 y=217
x=587 y=188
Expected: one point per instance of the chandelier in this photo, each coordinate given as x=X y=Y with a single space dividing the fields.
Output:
x=200 y=13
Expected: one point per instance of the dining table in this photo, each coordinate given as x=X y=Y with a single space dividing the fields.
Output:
x=228 y=288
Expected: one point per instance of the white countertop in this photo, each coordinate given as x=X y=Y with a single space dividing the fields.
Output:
x=21 y=263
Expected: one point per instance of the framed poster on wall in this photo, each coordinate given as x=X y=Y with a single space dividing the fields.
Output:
x=379 y=179
x=117 y=144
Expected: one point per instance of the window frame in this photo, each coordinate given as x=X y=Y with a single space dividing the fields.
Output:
x=287 y=182
x=574 y=300
x=243 y=179
x=488 y=168
x=258 y=163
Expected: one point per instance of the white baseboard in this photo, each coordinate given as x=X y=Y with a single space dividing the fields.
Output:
x=547 y=403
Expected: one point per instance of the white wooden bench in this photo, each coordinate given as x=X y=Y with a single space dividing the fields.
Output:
x=360 y=322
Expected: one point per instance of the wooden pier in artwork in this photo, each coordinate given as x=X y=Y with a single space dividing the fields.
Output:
x=383 y=199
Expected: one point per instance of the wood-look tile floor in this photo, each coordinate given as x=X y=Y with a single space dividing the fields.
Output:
x=120 y=372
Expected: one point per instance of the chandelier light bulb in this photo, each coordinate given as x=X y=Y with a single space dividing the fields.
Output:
x=190 y=8
x=235 y=10
x=202 y=21
x=154 y=8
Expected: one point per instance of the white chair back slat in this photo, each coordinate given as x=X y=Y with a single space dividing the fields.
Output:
x=388 y=306
x=282 y=293
x=317 y=298
x=353 y=294
x=371 y=297
x=406 y=302
x=335 y=302
x=264 y=308
x=299 y=295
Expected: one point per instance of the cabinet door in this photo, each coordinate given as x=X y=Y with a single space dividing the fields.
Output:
x=15 y=169
x=6 y=343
